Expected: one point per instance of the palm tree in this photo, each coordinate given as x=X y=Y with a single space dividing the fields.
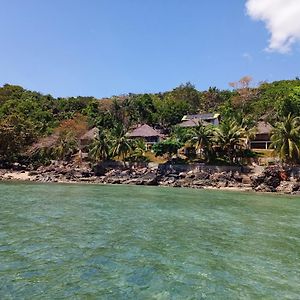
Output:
x=138 y=150
x=230 y=138
x=286 y=139
x=121 y=144
x=100 y=147
x=66 y=145
x=182 y=134
x=201 y=139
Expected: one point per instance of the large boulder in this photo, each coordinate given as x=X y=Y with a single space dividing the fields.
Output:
x=149 y=179
x=99 y=170
x=270 y=179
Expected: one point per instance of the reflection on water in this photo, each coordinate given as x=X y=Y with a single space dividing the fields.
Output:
x=128 y=242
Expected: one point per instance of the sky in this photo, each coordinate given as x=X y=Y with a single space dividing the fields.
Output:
x=110 y=47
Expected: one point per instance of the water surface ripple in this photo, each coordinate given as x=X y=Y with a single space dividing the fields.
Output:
x=129 y=242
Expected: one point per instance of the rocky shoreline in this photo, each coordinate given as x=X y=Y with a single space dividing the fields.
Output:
x=271 y=179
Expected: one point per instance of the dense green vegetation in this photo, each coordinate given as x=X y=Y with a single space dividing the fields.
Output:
x=35 y=128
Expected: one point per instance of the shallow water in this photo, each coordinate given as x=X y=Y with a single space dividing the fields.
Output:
x=129 y=242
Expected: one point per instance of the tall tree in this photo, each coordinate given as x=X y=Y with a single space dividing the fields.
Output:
x=187 y=93
x=142 y=109
x=213 y=98
x=64 y=141
x=100 y=148
x=16 y=134
x=245 y=94
x=170 y=111
x=202 y=140
x=121 y=144
x=286 y=139
x=290 y=104
x=230 y=138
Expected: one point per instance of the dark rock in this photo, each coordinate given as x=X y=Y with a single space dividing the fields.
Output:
x=33 y=173
x=99 y=170
x=149 y=179
x=272 y=181
x=86 y=173
x=257 y=180
x=238 y=177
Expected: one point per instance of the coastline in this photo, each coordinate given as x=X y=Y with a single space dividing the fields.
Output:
x=24 y=177
x=147 y=177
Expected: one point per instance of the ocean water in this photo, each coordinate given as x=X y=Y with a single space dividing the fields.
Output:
x=132 y=242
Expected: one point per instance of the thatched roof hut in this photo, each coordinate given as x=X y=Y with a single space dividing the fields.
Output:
x=263 y=127
x=90 y=135
x=262 y=136
x=45 y=143
x=144 y=131
x=51 y=140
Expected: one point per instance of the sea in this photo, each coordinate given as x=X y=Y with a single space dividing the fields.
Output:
x=73 y=241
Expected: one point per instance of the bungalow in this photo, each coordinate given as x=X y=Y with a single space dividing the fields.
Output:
x=88 y=137
x=195 y=120
x=262 y=139
x=147 y=133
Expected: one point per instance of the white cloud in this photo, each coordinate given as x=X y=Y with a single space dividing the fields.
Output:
x=282 y=19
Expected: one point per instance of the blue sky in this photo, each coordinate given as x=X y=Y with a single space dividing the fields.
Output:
x=110 y=47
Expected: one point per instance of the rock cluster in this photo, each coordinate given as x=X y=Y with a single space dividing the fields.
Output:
x=199 y=179
x=276 y=179
x=272 y=179
x=164 y=175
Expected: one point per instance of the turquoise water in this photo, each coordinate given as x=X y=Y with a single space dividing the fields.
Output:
x=129 y=242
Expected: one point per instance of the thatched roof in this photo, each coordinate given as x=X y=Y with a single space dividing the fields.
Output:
x=90 y=135
x=51 y=140
x=44 y=143
x=144 y=131
x=263 y=127
x=192 y=123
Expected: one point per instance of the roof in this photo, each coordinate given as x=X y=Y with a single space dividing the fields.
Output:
x=208 y=116
x=46 y=142
x=144 y=131
x=192 y=123
x=263 y=127
x=91 y=134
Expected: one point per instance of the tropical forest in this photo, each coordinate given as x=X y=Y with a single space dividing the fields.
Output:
x=37 y=128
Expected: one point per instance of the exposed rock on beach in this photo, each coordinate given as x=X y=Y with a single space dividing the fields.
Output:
x=272 y=179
